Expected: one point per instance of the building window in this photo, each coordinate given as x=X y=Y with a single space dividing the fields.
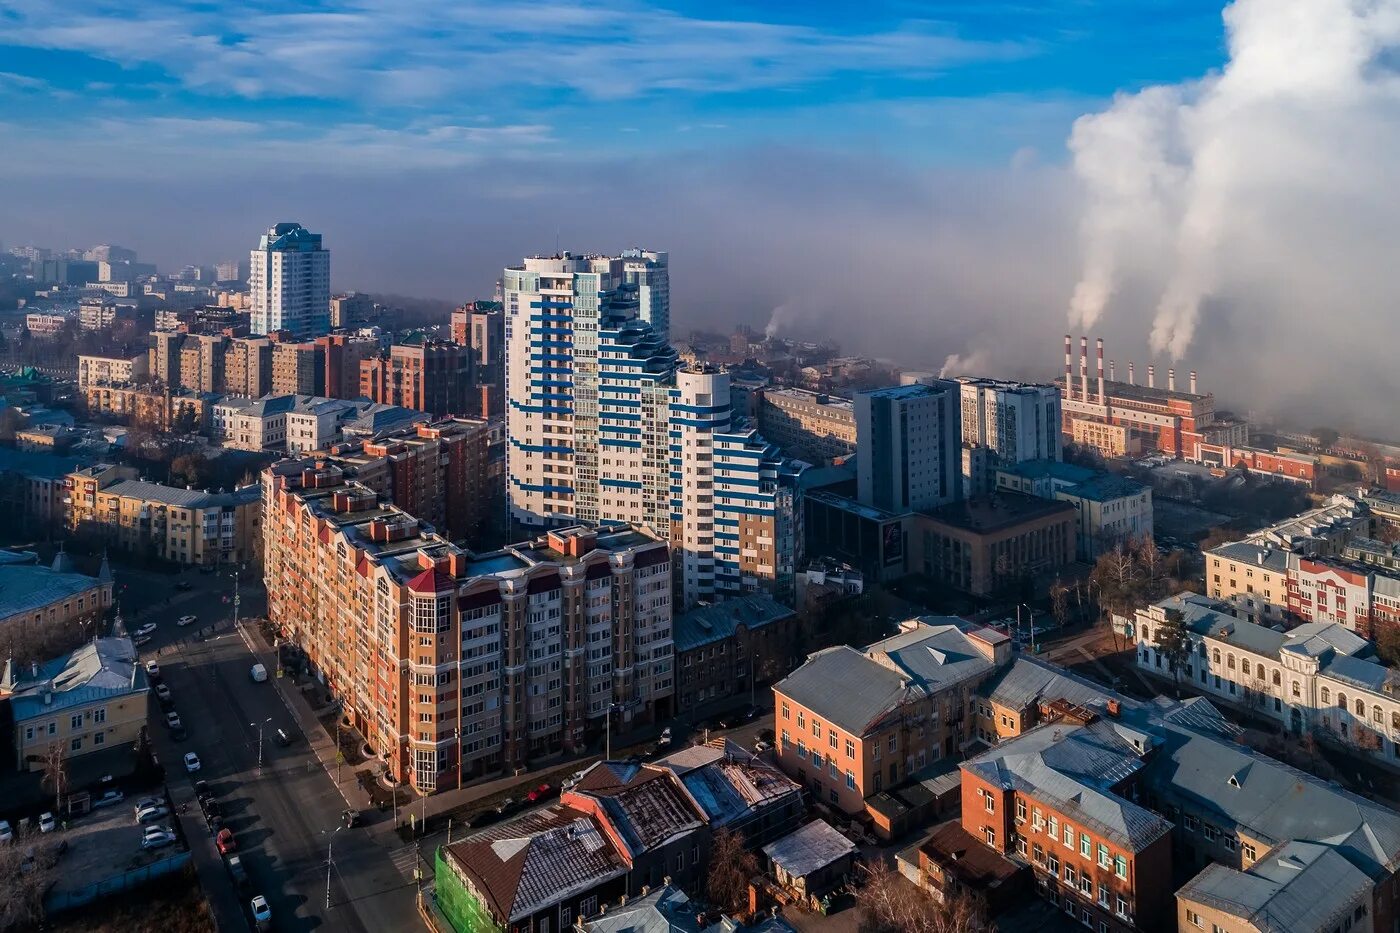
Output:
x=1020 y=810
x=990 y=835
x=1104 y=860
x=588 y=906
x=99 y=738
x=76 y=721
x=786 y=715
x=1194 y=919
x=77 y=744
x=801 y=749
x=1054 y=827
x=850 y=749
x=850 y=780
x=1120 y=867
x=1086 y=848
x=989 y=803
x=99 y=714
x=1068 y=837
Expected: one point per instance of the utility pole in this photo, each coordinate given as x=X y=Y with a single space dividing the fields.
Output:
x=329 y=863
x=259 y=727
x=235 y=597
x=339 y=755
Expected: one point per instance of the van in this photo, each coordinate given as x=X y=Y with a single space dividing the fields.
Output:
x=258 y=673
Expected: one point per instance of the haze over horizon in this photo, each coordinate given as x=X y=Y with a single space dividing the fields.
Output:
x=963 y=177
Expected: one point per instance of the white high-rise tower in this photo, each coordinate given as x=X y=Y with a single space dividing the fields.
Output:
x=289 y=282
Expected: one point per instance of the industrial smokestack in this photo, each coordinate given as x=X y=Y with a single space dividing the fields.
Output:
x=1098 y=345
x=1084 y=368
x=1132 y=379
x=1171 y=379
x=1069 y=366
x=1193 y=382
x=1112 y=371
x=1151 y=376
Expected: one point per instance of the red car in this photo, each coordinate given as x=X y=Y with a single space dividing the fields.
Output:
x=225 y=842
x=539 y=793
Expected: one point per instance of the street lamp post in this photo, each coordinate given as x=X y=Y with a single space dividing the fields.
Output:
x=259 y=727
x=330 y=862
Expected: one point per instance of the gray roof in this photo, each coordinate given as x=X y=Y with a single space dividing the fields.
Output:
x=915 y=663
x=183 y=498
x=708 y=624
x=728 y=784
x=36 y=465
x=102 y=668
x=31 y=588
x=1274 y=802
x=1258 y=555
x=1297 y=888
x=809 y=849
x=1075 y=767
x=1027 y=681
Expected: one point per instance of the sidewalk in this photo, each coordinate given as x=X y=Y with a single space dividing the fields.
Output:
x=225 y=905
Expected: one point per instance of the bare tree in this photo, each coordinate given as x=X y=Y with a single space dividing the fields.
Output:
x=26 y=871
x=55 y=773
x=890 y=904
x=731 y=868
x=1059 y=601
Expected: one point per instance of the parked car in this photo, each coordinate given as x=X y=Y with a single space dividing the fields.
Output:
x=154 y=830
x=151 y=814
x=225 y=842
x=351 y=818
x=202 y=791
x=282 y=738
x=6 y=834
x=258 y=673
x=172 y=720
x=191 y=762
x=163 y=693
x=505 y=806
x=237 y=871
x=109 y=797
x=179 y=734
x=146 y=629
x=211 y=808
x=157 y=840
x=153 y=670
x=543 y=792
x=185 y=620
x=665 y=739
x=184 y=585
x=140 y=640
x=262 y=913
x=145 y=803
x=47 y=823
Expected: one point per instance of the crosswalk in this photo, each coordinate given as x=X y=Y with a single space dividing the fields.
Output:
x=405 y=859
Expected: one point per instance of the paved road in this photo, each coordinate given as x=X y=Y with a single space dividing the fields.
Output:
x=283 y=812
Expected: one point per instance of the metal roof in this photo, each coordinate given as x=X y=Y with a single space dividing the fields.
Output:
x=101 y=669
x=809 y=849
x=708 y=624
x=1295 y=888
x=31 y=588
x=1027 y=681
x=182 y=498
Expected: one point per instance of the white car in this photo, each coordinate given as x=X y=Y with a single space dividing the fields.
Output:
x=146 y=629
x=162 y=692
x=47 y=823
x=262 y=912
x=145 y=803
x=172 y=720
x=6 y=834
x=191 y=762
x=152 y=669
x=186 y=620
x=156 y=840
x=151 y=814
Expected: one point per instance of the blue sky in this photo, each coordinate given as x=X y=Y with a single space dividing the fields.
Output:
x=431 y=84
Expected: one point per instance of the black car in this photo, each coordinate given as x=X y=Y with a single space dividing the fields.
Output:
x=282 y=738
x=351 y=818
x=184 y=585
x=212 y=810
x=202 y=791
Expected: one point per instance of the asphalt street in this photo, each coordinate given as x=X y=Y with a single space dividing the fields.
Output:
x=286 y=811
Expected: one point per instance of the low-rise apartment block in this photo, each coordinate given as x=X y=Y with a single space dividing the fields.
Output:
x=452 y=663
x=724 y=650
x=51 y=596
x=1319 y=678
x=852 y=723
x=1112 y=509
x=982 y=546
x=87 y=701
x=156 y=408
x=110 y=370
x=186 y=526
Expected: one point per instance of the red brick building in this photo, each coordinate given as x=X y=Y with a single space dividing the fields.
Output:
x=431 y=376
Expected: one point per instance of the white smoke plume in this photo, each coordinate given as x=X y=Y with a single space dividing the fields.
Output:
x=971 y=363
x=782 y=316
x=1241 y=172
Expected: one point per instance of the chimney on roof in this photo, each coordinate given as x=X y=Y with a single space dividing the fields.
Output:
x=1131 y=379
x=1114 y=708
x=1193 y=382
x=1151 y=376
x=1171 y=379
x=1112 y=371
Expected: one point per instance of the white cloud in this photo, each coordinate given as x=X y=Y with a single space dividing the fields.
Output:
x=379 y=50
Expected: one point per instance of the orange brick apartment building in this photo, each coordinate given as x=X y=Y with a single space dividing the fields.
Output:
x=452 y=663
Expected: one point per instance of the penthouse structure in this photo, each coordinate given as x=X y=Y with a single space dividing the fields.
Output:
x=812 y=426
x=453 y=664
x=431 y=376
x=1127 y=418
x=289 y=281
x=604 y=424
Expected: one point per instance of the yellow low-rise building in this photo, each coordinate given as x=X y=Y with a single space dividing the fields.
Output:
x=84 y=702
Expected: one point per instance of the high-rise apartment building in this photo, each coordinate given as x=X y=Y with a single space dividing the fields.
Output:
x=289 y=281
x=248 y=367
x=297 y=369
x=649 y=272
x=812 y=425
x=604 y=424
x=480 y=325
x=454 y=664
x=1003 y=424
x=908 y=447
x=432 y=376
x=341 y=355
